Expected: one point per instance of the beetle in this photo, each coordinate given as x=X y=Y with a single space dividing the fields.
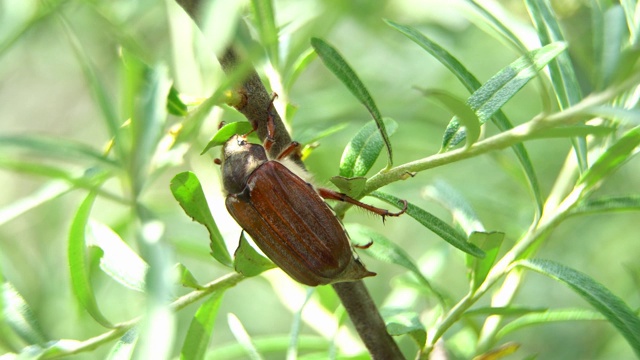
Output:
x=274 y=201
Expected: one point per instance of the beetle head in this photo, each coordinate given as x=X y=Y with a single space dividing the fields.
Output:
x=239 y=160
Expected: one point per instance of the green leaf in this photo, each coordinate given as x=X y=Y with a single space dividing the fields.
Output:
x=118 y=260
x=563 y=77
x=51 y=190
x=548 y=317
x=464 y=113
x=615 y=39
x=608 y=204
x=490 y=243
x=201 y=327
x=431 y=222
x=501 y=29
x=226 y=132
x=611 y=159
x=175 y=106
x=506 y=311
x=630 y=8
x=362 y=151
x=461 y=211
x=186 y=277
x=350 y=186
x=385 y=250
x=491 y=96
x=608 y=304
x=471 y=83
x=336 y=63
x=267 y=30
x=123 y=349
x=16 y=313
x=188 y=192
x=51 y=147
x=404 y=322
x=617 y=114
x=296 y=326
x=78 y=264
x=243 y=337
x=248 y=262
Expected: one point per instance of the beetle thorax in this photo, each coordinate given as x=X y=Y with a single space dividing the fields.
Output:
x=239 y=160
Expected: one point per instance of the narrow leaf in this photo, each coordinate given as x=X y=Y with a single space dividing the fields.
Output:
x=611 y=159
x=431 y=222
x=608 y=204
x=123 y=349
x=574 y=131
x=608 y=304
x=617 y=114
x=404 y=322
x=464 y=113
x=505 y=311
x=267 y=30
x=78 y=265
x=549 y=317
x=188 y=192
x=175 y=106
x=362 y=151
x=491 y=96
x=479 y=268
x=226 y=132
x=248 y=262
x=350 y=186
x=336 y=63
x=118 y=261
x=243 y=337
x=201 y=327
x=186 y=277
x=16 y=313
x=499 y=352
x=52 y=147
x=381 y=248
x=471 y=83
x=460 y=209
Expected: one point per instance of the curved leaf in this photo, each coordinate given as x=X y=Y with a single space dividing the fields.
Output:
x=547 y=317
x=118 y=260
x=78 y=264
x=188 y=192
x=195 y=344
x=608 y=204
x=362 y=151
x=608 y=304
x=464 y=114
x=336 y=63
x=226 y=132
x=15 y=312
x=471 y=83
x=431 y=222
x=248 y=262
x=493 y=94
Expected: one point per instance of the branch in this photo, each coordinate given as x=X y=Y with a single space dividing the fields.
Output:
x=354 y=295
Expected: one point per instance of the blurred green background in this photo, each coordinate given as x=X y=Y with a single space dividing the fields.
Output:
x=44 y=92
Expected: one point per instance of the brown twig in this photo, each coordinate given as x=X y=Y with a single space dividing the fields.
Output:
x=354 y=295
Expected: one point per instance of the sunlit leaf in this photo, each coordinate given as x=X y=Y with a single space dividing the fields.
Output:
x=612 y=158
x=188 y=192
x=195 y=344
x=336 y=63
x=431 y=222
x=17 y=314
x=493 y=94
x=248 y=262
x=362 y=151
x=118 y=261
x=479 y=267
x=404 y=322
x=78 y=265
x=549 y=317
x=226 y=132
x=243 y=337
x=603 y=300
x=267 y=30
x=471 y=83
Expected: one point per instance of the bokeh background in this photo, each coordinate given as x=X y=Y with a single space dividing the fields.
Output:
x=43 y=92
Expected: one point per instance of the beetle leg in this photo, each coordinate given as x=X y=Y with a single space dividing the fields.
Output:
x=334 y=195
x=271 y=126
x=288 y=150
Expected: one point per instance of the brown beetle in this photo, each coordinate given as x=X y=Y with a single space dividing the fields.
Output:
x=286 y=216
